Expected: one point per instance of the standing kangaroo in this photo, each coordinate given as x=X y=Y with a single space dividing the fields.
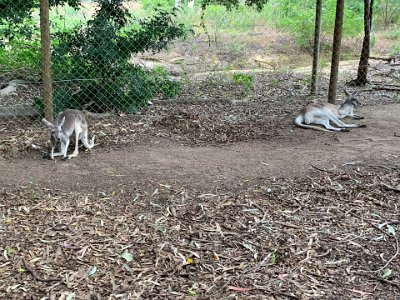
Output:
x=321 y=113
x=64 y=126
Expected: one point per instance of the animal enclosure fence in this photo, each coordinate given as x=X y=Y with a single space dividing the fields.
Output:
x=152 y=62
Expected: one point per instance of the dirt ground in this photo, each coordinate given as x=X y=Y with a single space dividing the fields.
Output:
x=291 y=154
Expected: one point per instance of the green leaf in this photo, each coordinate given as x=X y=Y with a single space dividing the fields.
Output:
x=92 y=271
x=391 y=229
x=70 y=296
x=161 y=228
x=126 y=267
x=192 y=292
x=387 y=273
x=273 y=258
x=127 y=256
x=10 y=250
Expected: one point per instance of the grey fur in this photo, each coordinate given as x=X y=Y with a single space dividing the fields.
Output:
x=65 y=124
x=321 y=113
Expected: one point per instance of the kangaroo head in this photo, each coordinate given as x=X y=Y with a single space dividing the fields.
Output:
x=351 y=99
x=56 y=130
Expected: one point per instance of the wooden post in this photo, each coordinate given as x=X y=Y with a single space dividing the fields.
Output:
x=337 y=40
x=46 y=59
x=317 y=44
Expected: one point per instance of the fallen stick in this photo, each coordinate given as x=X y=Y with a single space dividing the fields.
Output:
x=37 y=277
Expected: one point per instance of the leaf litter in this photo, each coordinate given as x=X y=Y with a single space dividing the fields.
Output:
x=300 y=238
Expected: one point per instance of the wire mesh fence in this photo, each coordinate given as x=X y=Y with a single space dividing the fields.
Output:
x=130 y=58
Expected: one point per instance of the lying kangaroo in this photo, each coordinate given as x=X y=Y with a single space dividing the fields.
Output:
x=321 y=113
x=64 y=126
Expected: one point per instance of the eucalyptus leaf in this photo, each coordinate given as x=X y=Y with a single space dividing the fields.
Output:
x=70 y=296
x=391 y=230
x=387 y=273
x=92 y=271
x=127 y=256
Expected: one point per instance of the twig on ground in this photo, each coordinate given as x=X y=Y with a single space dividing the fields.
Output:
x=390 y=188
x=37 y=277
x=383 y=280
x=388 y=282
x=320 y=169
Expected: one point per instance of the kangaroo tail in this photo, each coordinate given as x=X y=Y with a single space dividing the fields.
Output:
x=299 y=123
x=88 y=144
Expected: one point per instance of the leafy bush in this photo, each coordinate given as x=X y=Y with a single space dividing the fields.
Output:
x=91 y=62
x=167 y=87
x=22 y=54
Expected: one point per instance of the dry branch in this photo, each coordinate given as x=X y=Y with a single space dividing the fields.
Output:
x=37 y=277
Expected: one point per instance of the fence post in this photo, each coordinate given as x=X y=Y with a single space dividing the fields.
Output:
x=46 y=59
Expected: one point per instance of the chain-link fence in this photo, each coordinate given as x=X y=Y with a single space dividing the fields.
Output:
x=135 y=58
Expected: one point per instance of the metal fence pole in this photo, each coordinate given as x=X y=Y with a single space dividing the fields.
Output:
x=46 y=59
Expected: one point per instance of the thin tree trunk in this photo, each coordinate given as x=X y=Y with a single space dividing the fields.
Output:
x=362 y=74
x=317 y=43
x=46 y=59
x=337 y=41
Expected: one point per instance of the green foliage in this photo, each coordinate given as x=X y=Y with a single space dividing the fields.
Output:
x=167 y=87
x=234 y=21
x=154 y=4
x=298 y=18
x=388 y=12
x=91 y=62
x=395 y=33
x=395 y=50
x=243 y=79
x=230 y=4
x=16 y=16
x=20 y=54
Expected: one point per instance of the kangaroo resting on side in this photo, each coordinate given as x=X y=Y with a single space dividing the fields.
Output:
x=66 y=123
x=321 y=113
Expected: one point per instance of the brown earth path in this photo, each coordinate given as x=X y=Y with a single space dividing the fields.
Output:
x=207 y=167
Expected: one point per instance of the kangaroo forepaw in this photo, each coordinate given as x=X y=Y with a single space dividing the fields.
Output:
x=345 y=130
x=362 y=126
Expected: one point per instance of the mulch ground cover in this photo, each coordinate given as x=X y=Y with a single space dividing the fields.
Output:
x=330 y=235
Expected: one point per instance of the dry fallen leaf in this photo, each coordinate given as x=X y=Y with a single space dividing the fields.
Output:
x=238 y=289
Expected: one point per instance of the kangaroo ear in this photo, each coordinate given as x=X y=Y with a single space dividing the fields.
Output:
x=47 y=123
x=62 y=122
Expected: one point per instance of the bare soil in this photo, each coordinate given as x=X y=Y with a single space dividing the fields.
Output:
x=288 y=152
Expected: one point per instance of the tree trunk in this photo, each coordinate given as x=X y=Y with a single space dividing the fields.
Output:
x=317 y=43
x=46 y=59
x=362 y=73
x=337 y=40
